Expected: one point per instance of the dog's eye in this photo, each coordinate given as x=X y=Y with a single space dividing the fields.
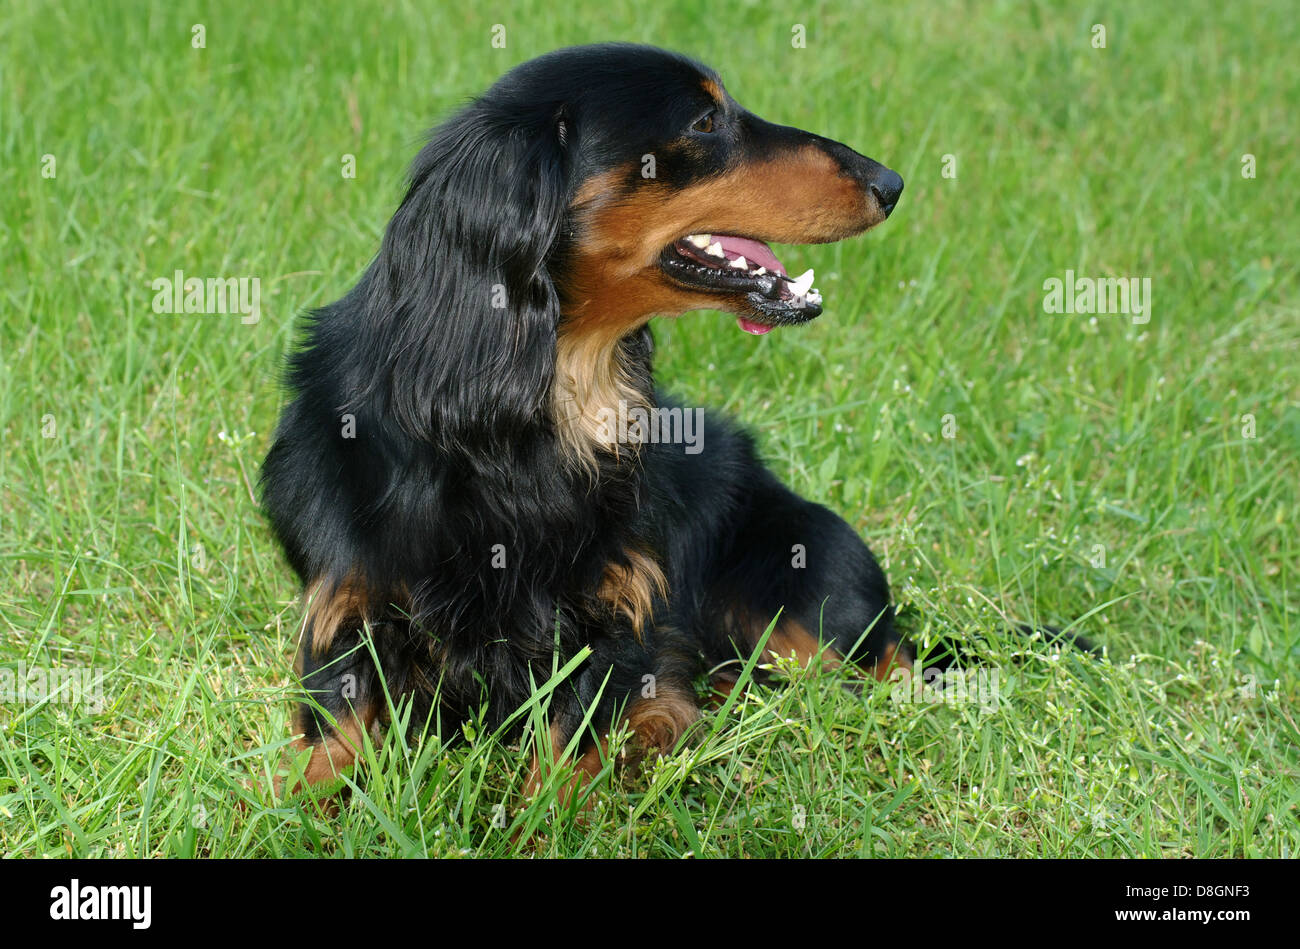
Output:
x=704 y=124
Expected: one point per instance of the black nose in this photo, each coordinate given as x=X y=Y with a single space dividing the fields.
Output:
x=886 y=185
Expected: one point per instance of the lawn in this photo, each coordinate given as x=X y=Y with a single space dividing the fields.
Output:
x=1131 y=476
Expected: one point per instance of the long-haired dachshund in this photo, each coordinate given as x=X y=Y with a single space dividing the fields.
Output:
x=477 y=476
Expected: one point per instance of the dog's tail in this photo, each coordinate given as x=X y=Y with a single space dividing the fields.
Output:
x=946 y=651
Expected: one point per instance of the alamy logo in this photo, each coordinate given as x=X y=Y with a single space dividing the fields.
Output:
x=1130 y=296
x=67 y=686
x=215 y=295
x=656 y=426
x=954 y=686
x=103 y=902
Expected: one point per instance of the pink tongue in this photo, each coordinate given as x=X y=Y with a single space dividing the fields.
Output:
x=756 y=252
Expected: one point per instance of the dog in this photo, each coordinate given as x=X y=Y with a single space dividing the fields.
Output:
x=456 y=481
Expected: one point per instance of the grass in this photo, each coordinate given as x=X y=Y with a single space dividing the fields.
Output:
x=1101 y=473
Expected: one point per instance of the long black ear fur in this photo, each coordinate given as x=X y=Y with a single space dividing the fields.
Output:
x=460 y=311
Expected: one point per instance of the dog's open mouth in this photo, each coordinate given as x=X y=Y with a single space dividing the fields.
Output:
x=729 y=264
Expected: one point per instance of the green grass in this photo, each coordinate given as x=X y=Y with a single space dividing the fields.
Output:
x=132 y=544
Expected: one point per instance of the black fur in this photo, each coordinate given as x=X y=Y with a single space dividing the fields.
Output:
x=455 y=457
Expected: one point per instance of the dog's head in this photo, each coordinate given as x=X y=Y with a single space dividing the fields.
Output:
x=585 y=192
x=677 y=190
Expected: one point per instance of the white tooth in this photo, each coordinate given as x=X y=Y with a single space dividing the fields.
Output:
x=760 y=271
x=700 y=240
x=800 y=286
x=740 y=263
x=715 y=250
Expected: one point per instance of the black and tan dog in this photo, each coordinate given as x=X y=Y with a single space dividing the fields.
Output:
x=450 y=480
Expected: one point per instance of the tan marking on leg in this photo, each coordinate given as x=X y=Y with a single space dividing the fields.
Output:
x=660 y=723
x=790 y=638
x=657 y=724
x=720 y=689
x=335 y=752
x=891 y=658
x=630 y=588
x=331 y=605
x=587 y=766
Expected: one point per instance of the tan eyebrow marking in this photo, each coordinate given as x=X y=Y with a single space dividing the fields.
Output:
x=715 y=91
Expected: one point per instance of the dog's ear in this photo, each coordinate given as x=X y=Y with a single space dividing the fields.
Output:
x=461 y=308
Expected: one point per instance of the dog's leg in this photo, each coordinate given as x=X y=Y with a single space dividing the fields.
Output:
x=336 y=668
x=657 y=725
x=649 y=687
x=791 y=555
x=586 y=766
